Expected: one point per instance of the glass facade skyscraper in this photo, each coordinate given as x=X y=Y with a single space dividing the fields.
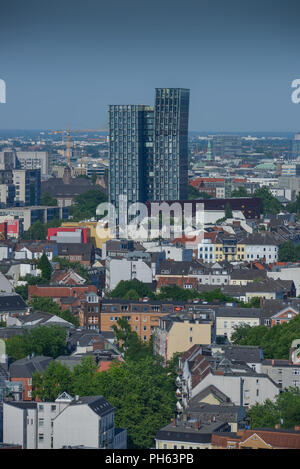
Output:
x=171 y=115
x=129 y=139
x=148 y=148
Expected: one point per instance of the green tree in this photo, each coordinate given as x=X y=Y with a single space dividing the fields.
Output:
x=294 y=207
x=48 y=200
x=194 y=194
x=140 y=389
x=285 y=410
x=48 y=305
x=269 y=203
x=288 y=252
x=45 y=267
x=275 y=341
x=85 y=204
x=76 y=266
x=240 y=192
x=228 y=211
x=37 y=231
x=124 y=286
x=84 y=378
x=48 y=385
x=42 y=340
x=147 y=401
x=22 y=290
x=132 y=346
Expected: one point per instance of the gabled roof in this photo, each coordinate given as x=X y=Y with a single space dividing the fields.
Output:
x=25 y=367
x=96 y=403
x=257 y=239
x=211 y=389
x=12 y=302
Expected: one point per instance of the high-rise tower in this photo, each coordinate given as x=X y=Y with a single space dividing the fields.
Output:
x=171 y=113
x=130 y=151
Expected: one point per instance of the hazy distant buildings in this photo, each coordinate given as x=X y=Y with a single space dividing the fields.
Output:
x=296 y=147
x=290 y=169
x=226 y=146
x=148 y=148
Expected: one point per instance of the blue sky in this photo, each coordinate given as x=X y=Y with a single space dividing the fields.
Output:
x=64 y=61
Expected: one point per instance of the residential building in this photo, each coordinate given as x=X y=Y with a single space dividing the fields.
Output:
x=190 y=434
x=267 y=290
x=11 y=304
x=21 y=371
x=56 y=292
x=89 y=314
x=200 y=368
x=177 y=333
x=258 y=438
x=77 y=252
x=66 y=422
x=229 y=318
x=286 y=271
x=143 y=316
x=261 y=246
x=137 y=266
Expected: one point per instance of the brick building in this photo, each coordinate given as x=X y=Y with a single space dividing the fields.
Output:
x=57 y=292
x=22 y=370
x=143 y=316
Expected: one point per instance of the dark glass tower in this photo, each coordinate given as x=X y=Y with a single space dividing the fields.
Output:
x=148 y=149
x=130 y=150
x=171 y=114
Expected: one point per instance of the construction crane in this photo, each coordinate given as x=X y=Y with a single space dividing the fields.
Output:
x=68 y=133
x=82 y=161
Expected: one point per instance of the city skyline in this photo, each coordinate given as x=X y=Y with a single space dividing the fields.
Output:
x=65 y=62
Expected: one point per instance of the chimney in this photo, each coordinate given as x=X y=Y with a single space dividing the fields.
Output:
x=297 y=428
x=174 y=422
x=197 y=424
x=277 y=426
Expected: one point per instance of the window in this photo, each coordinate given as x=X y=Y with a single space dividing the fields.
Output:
x=41 y=437
x=53 y=408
